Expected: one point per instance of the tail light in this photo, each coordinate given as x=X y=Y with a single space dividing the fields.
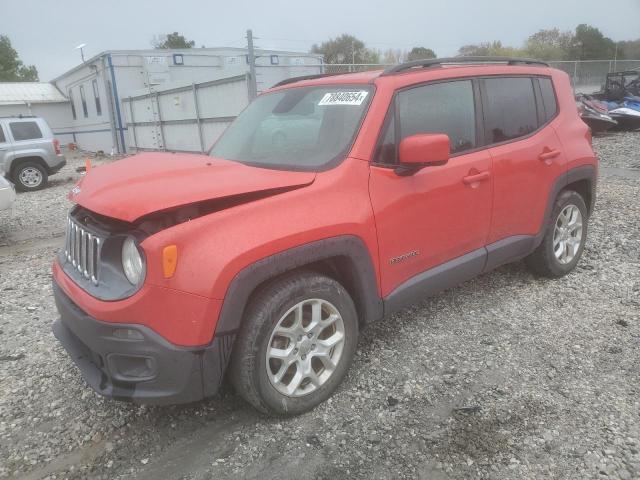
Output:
x=56 y=146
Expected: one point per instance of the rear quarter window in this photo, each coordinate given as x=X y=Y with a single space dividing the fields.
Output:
x=510 y=110
x=25 y=130
x=548 y=98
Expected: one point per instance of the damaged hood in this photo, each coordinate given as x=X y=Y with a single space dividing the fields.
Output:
x=151 y=182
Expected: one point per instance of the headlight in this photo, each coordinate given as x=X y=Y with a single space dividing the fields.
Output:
x=132 y=262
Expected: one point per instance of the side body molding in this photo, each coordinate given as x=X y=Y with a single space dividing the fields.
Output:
x=436 y=279
x=348 y=249
x=353 y=255
x=468 y=266
x=519 y=246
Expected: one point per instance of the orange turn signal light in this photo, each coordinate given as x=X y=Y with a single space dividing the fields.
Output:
x=169 y=260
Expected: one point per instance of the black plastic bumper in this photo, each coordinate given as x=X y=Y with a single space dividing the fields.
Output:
x=133 y=363
x=56 y=168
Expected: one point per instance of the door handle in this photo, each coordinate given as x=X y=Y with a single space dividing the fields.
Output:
x=548 y=155
x=478 y=177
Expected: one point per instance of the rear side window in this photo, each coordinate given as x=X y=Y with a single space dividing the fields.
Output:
x=440 y=108
x=510 y=110
x=548 y=99
x=25 y=130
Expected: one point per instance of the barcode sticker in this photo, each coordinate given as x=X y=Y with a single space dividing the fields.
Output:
x=344 y=98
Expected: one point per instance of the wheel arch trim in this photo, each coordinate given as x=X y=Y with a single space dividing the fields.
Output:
x=31 y=157
x=583 y=172
x=348 y=247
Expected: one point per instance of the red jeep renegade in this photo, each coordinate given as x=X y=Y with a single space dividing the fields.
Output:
x=329 y=203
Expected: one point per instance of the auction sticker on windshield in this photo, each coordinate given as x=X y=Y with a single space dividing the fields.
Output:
x=344 y=98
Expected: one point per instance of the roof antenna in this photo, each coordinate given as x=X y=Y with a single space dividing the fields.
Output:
x=80 y=47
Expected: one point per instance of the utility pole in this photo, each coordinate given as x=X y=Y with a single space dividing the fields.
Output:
x=253 y=85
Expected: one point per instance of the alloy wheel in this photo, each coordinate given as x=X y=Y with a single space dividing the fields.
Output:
x=305 y=347
x=567 y=234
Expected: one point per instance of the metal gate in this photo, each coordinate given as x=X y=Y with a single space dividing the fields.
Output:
x=185 y=118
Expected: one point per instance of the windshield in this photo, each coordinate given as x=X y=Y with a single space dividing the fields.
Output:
x=296 y=129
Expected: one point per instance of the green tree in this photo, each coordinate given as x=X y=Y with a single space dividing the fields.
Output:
x=171 y=41
x=392 y=56
x=629 y=49
x=480 y=50
x=490 y=49
x=549 y=44
x=421 y=53
x=11 y=67
x=590 y=44
x=346 y=49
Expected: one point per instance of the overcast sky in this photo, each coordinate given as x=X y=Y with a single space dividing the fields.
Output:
x=45 y=32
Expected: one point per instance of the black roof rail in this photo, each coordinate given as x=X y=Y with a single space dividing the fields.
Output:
x=287 y=81
x=432 y=62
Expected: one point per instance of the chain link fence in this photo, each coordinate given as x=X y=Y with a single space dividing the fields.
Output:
x=191 y=117
x=587 y=76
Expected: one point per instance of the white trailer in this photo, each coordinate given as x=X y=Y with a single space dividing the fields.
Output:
x=99 y=88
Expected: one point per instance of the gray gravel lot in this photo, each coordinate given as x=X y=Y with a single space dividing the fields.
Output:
x=507 y=376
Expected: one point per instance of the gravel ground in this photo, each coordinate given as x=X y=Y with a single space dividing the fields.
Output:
x=41 y=215
x=507 y=376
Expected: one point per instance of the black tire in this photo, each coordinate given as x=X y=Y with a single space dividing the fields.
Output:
x=543 y=261
x=248 y=367
x=29 y=187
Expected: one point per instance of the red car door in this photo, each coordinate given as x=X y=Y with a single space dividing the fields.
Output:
x=527 y=154
x=439 y=213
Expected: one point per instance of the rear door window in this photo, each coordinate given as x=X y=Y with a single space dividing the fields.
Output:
x=510 y=110
x=440 y=108
x=25 y=131
x=548 y=98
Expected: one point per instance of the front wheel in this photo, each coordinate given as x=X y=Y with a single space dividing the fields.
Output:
x=296 y=344
x=564 y=240
x=29 y=176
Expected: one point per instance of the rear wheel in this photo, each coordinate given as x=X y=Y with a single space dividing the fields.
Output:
x=564 y=241
x=296 y=344
x=29 y=176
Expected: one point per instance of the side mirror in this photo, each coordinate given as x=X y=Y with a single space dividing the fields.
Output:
x=422 y=150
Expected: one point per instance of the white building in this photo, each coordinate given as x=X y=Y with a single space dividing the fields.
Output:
x=35 y=98
x=99 y=88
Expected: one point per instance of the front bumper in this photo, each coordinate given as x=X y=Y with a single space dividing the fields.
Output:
x=133 y=363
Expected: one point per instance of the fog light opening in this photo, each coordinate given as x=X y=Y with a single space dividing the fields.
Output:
x=132 y=368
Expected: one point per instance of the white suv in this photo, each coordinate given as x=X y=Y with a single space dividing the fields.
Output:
x=28 y=152
x=7 y=194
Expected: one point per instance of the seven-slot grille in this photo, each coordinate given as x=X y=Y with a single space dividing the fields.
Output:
x=82 y=250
